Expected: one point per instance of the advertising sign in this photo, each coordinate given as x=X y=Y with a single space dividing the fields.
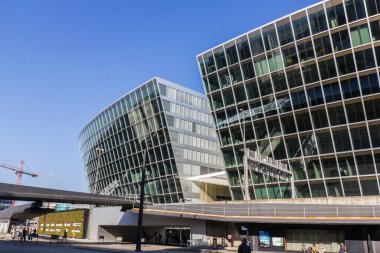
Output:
x=278 y=241
x=264 y=239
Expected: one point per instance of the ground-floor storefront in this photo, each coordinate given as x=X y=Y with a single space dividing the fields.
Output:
x=292 y=237
x=272 y=235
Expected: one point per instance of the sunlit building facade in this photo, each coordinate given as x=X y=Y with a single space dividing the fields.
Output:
x=172 y=123
x=304 y=90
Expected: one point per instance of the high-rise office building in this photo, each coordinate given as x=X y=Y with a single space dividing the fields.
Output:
x=302 y=90
x=174 y=125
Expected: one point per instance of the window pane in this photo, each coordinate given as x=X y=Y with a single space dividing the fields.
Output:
x=285 y=33
x=290 y=56
x=294 y=78
x=330 y=168
x=351 y=187
x=305 y=51
x=336 y=15
x=310 y=73
x=365 y=164
x=347 y=166
x=232 y=55
x=372 y=108
x=369 y=84
x=243 y=49
x=279 y=81
x=332 y=92
x=341 y=40
x=350 y=88
x=365 y=59
x=318 y=20
x=319 y=119
x=369 y=186
x=375 y=29
x=322 y=46
x=341 y=140
x=256 y=42
x=270 y=37
x=360 y=35
x=248 y=71
x=327 y=69
x=355 y=112
x=325 y=143
x=360 y=138
x=301 y=28
x=275 y=61
x=373 y=7
x=314 y=169
x=334 y=188
x=375 y=135
x=355 y=10
x=220 y=59
x=345 y=64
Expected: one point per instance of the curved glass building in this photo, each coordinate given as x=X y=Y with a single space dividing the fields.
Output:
x=303 y=90
x=173 y=124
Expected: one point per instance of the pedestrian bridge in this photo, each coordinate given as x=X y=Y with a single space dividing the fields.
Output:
x=271 y=212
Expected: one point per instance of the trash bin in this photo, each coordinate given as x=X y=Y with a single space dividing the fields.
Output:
x=214 y=243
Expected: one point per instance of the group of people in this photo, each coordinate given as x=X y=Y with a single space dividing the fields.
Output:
x=244 y=248
x=313 y=248
x=23 y=233
x=321 y=248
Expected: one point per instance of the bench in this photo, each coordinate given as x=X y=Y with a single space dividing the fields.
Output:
x=101 y=237
x=54 y=237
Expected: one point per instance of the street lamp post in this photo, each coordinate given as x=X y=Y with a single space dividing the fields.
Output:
x=98 y=151
x=141 y=205
x=245 y=160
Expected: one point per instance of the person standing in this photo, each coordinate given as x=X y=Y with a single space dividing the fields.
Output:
x=321 y=248
x=313 y=248
x=13 y=231
x=303 y=248
x=229 y=239
x=23 y=234
x=244 y=248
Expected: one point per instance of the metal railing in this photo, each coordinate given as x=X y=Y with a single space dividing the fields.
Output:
x=259 y=210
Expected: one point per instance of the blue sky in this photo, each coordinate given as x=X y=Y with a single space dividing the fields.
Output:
x=63 y=61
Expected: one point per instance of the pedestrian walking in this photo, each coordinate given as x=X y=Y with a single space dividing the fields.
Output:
x=313 y=248
x=64 y=237
x=321 y=248
x=23 y=234
x=244 y=248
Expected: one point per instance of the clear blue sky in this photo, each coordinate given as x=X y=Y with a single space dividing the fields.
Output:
x=63 y=61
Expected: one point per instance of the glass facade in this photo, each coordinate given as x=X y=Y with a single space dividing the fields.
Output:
x=304 y=90
x=172 y=123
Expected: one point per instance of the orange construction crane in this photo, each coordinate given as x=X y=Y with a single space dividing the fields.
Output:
x=19 y=171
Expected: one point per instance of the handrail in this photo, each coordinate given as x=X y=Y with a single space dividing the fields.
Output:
x=276 y=210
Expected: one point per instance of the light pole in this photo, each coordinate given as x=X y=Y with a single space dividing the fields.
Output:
x=141 y=205
x=98 y=151
x=245 y=160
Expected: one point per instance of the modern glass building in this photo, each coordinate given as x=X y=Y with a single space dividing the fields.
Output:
x=173 y=124
x=304 y=90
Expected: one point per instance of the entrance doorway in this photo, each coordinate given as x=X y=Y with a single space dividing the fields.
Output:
x=177 y=235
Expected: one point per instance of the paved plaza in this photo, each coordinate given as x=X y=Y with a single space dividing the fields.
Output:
x=86 y=246
x=7 y=246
